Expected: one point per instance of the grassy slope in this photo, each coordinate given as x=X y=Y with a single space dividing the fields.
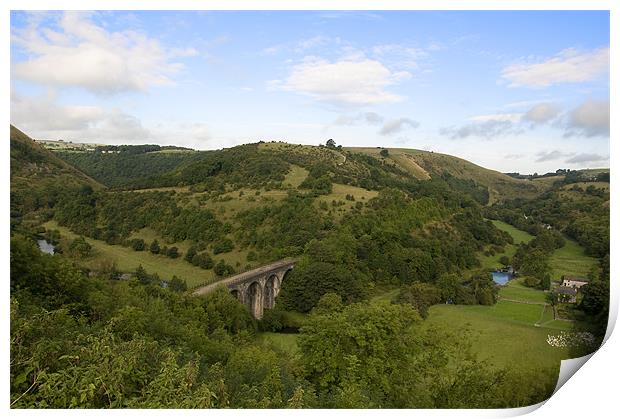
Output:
x=498 y=329
x=33 y=166
x=568 y=260
x=518 y=236
x=571 y=260
x=339 y=193
x=504 y=333
x=421 y=164
x=515 y=290
x=282 y=342
x=127 y=260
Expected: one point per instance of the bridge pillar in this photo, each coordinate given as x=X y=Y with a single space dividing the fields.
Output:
x=254 y=299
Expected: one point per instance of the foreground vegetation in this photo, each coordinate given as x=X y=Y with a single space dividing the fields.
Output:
x=390 y=303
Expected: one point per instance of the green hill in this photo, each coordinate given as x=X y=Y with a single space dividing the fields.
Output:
x=123 y=165
x=38 y=176
x=425 y=165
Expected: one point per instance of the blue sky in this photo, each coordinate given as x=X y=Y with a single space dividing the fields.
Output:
x=513 y=91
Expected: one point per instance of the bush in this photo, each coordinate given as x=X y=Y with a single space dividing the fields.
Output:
x=80 y=247
x=154 y=247
x=177 y=284
x=202 y=260
x=530 y=281
x=189 y=256
x=138 y=245
x=223 y=246
x=172 y=252
x=223 y=269
x=271 y=321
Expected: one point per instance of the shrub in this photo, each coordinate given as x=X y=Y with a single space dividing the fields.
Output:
x=223 y=246
x=138 y=245
x=173 y=252
x=154 y=247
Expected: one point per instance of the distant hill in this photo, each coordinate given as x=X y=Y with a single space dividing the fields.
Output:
x=424 y=165
x=38 y=176
x=119 y=166
x=137 y=167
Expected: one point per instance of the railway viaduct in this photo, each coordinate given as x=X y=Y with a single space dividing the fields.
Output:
x=257 y=288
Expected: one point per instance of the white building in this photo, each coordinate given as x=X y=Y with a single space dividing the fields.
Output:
x=576 y=283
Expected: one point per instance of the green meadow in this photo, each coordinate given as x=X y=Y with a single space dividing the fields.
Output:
x=127 y=260
x=571 y=260
x=505 y=333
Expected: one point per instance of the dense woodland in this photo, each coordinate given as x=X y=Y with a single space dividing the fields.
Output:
x=82 y=338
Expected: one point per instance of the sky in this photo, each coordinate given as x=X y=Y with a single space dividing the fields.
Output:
x=514 y=91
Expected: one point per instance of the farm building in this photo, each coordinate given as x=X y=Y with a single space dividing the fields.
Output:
x=566 y=294
x=573 y=282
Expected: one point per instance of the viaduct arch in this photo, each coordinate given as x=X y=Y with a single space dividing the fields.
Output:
x=257 y=288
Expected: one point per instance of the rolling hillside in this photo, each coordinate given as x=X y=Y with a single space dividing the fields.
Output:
x=424 y=165
x=38 y=175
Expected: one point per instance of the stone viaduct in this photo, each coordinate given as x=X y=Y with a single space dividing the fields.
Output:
x=257 y=288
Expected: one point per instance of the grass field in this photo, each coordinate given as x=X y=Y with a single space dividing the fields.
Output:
x=504 y=333
x=127 y=260
x=515 y=290
x=295 y=176
x=571 y=260
x=518 y=236
x=339 y=193
x=284 y=342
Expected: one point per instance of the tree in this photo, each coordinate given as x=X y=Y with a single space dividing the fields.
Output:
x=154 y=247
x=341 y=351
x=221 y=268
x=328 y=303
x=504 y=260
x=420 y=295
x=306 y=284
x=177 y=284
x=331 y=143
x=137 y=245
x=384 y=153
x=141 y=275
x=191 y=252
x=202 y=260
x=173 y=252
x=80 y=247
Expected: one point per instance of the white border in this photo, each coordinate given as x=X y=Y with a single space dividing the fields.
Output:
x=591 y=393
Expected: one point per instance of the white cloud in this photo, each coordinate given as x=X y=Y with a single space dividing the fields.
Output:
x=487 y=129
x=551 y=155
x=569 y=66
x=590 y=119
x=313 y=42
x=587 y=158
x=43 y=118
x=541 y=113
x=400 y=55
x=506 y=117
x=81 y=53
x=353 y=80
x=371 y=118
x=397 y=125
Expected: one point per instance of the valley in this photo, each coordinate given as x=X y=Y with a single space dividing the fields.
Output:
x=405 y=239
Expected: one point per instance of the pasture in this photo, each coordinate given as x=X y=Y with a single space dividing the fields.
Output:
x=518 y=236
x=127 y=260
x=515 y=290
x=281 y=342
x=571 y=260
x=505 y=333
